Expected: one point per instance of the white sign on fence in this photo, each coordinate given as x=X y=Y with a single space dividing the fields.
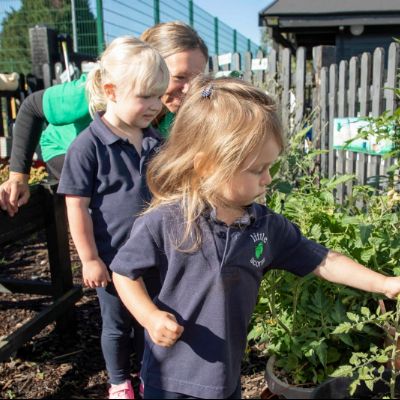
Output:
x=258 y=64
x=345 y=129
x=225 y=59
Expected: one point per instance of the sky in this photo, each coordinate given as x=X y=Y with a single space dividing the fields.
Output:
x=241 y=15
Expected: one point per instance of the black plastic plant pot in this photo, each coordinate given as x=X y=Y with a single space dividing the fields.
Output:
x=283 y=389
x=339 y=388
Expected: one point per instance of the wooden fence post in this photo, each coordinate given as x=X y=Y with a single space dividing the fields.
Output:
x=333 y=85
x=341 y=161
x=285 y=80
x=300 y=86
x=324 y=117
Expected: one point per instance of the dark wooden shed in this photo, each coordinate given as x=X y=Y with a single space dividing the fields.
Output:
x=353 y=26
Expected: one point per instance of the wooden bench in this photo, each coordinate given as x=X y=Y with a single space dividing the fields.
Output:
x=45 y=210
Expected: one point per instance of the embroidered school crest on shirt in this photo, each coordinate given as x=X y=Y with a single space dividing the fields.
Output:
x=259 y=240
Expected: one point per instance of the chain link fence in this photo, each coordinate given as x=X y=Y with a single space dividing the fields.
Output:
x=93 y=23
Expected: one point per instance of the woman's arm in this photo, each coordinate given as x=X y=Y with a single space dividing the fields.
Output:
x=26 y=132
x=161 y=326
x=338 y=268
x=26 y=135
x=94 y=271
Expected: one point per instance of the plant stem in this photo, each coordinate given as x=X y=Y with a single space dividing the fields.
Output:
x=393 y=374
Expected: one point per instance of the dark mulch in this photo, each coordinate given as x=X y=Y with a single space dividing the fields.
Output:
x=60 y=365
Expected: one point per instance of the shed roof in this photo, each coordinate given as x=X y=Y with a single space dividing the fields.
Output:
x=333 y=7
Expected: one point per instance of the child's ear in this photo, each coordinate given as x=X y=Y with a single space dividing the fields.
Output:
x=199 y=164
x=109 y=91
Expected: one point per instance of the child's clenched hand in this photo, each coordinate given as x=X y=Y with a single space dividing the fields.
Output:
x=163 y=328
x=95 y=274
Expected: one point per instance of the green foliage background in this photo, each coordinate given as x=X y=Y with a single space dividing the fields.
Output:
x=56 y=14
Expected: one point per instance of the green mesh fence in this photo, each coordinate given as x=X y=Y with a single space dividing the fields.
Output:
x=86 y=26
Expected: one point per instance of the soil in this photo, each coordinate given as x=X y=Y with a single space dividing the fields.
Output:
x=68 y=364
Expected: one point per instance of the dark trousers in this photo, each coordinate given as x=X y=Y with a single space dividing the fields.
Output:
x=154 y=393
x=54 y=167
x=121 y=334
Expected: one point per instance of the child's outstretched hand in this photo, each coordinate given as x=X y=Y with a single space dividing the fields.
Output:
x=392 y=287
x=163 y=328
x=95 y=274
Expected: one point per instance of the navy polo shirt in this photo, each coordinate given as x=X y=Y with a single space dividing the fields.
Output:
x=109 y=170
x=212 y=292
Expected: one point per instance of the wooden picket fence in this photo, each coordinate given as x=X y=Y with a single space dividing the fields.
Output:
x=323 y=90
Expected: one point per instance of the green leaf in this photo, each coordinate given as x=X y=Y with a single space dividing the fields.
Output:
x=346 y=339
x=322 y=353
x=365 y=233
x=353 y=317
x=344 y=327
x=316 y=231
x=370 y=384
x=382 y=359
x=366 y=255
x=365 y=311
x=275 y=168
x=284 y=187
x=343 y=371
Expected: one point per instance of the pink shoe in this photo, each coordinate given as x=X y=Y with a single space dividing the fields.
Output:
x=141 y=389
x=121 y=391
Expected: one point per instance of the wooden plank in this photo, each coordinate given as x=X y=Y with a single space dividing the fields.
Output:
x=361 y=169
x=285 y=81
x=392 y=74
x=364 y=98
x=300 y=82
x=342 y=112
x=12 y=342
x=365 y=79
x=25 y=286
x=351 y=170
x=214 y=64
x=247 y=73
x=272 y=72
x=324 y=112
x=354 y=79
x=323 y=56
x=333 y=86
x=58 y=242
x=374 y=162
x=377 y=81
x=29 y=219
x=235 y=65
x=258 y=76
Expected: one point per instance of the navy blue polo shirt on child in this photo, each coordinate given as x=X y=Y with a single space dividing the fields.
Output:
x=109 y=170
x=212 y=291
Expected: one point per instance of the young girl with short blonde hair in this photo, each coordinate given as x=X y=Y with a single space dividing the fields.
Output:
x=212 y=243
x=103 y=179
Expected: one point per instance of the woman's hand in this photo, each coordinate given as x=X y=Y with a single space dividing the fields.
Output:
x=14 y=193
x=95 y=274
x=163 y=328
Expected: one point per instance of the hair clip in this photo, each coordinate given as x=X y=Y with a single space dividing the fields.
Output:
x=207 y=91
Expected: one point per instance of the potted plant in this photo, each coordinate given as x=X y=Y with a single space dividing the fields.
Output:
x=375 y=373
x=296 y=318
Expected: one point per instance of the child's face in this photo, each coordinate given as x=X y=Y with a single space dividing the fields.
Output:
x=137 y=111
x=250 y=181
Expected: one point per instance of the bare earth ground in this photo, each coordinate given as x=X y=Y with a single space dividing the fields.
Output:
x=67 y=366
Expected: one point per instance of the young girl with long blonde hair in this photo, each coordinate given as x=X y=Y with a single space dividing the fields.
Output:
x=212 y=243
x=103 y=179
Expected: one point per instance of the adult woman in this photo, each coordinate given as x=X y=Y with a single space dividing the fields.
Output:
x=65 y=109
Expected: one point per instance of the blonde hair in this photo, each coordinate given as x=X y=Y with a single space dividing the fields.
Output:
x=131 y=65
x=228 y=123
x=174 y=37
